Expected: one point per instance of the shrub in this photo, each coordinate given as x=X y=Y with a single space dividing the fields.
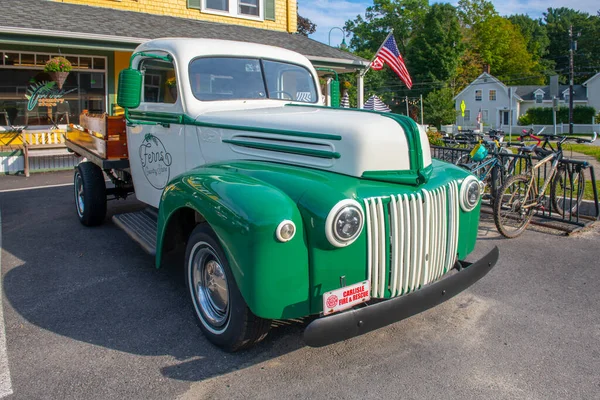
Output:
x=435 y=137
x=543 y=115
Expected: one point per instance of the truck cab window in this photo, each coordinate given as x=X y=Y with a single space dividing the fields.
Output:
x=160 y=83
x=225 y=78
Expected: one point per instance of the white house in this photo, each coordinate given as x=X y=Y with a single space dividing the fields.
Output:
x=592 y=87
x=487 y=95
x=490 y=96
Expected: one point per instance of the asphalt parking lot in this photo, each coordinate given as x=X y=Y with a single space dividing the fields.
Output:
x=86 y=315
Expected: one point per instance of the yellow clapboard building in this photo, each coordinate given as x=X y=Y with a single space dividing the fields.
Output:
x=98 y=37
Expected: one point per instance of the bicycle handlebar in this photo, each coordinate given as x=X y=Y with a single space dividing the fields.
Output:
x=529 y=133
x=578 y=139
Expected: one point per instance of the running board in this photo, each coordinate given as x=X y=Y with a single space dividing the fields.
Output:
x=141 y=226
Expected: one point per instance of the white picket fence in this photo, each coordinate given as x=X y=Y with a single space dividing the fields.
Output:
x=560 y=128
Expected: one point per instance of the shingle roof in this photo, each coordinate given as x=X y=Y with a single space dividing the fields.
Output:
x=527 y=92
x=44 y=15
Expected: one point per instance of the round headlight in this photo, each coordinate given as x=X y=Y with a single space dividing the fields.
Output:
x=285 y=231
x=470 y=192
x=344 y=223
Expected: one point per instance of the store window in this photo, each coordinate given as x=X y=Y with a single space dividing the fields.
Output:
x=30 y=99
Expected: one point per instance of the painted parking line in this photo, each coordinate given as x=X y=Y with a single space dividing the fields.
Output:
x=5 y=381
x=40 y=187
x=35 y=187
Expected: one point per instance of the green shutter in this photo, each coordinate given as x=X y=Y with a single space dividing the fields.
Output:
x=335 y=93
x=270 y=10
x=195 y=4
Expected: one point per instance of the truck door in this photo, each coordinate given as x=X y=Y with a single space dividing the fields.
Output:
x=157 y=146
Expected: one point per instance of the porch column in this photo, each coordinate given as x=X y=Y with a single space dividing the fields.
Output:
x=328 y=89
x=360 y=89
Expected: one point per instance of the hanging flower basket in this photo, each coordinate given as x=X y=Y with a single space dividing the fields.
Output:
x=59 y=78
x=58 y=68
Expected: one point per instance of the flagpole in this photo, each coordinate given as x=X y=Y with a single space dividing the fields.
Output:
x=421 y=109
x=377 y=52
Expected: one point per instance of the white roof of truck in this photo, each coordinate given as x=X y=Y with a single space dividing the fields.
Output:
x=184 y=50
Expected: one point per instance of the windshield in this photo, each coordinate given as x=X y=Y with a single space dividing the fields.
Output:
x=223 y=78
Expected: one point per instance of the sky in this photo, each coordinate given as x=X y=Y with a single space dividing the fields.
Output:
x=334 y=13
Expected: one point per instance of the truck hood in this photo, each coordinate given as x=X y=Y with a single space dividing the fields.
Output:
x=378 y=146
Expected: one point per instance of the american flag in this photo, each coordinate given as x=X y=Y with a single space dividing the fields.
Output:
x=390 y=54
x=377 y=64
x=479 y=117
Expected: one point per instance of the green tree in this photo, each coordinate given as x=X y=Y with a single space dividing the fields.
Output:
x=535 y=35
x=472 y=12
x=305 y=26
x=585 y=28
x=438 y=107
x=403 y=16
x=435 y=52
x=500 y=44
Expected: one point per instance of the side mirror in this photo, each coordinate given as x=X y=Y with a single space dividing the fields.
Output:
x=130 y=88
x=335 y=93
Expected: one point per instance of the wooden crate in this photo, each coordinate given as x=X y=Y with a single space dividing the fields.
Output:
x=102 y=134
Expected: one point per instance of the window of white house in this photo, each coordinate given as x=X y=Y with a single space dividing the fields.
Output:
x=566 y=97
x=478 y=95
x=484 y=115
x=467 y=115
x=539 y=97
x=492 y=95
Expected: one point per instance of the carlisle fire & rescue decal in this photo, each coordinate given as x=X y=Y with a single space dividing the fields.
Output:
x=346 y=297
x=156 y=161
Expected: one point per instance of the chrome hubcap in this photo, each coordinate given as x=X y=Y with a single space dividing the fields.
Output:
x=210 y=285
x=79 y=194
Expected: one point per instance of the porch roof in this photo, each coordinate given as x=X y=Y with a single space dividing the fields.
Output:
x=38 y=22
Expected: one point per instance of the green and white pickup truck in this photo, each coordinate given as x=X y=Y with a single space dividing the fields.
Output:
x=287 y=208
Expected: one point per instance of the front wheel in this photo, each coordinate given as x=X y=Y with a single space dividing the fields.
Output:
x=514 y=206
x=566 y=190
x=221 y=311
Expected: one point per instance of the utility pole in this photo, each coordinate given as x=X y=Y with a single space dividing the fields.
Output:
x=572 y=45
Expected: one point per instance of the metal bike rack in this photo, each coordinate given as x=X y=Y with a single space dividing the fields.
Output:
x=584 y=215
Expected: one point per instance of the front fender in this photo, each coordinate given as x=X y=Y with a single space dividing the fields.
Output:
x=244 y=212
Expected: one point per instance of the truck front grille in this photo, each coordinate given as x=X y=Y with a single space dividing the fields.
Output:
x=412 y=239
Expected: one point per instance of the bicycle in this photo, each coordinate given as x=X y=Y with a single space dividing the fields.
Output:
x=491 y=166
x=519 y=196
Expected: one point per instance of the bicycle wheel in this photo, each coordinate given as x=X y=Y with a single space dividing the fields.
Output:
x=492 y=183
x=510 y=214
x=566 y=190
